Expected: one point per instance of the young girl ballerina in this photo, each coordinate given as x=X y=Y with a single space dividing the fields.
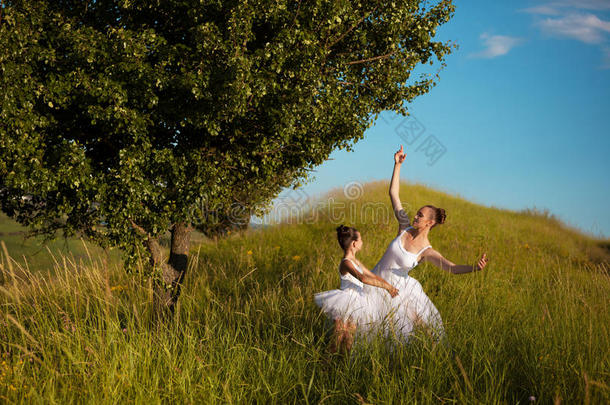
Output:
x=348 y=306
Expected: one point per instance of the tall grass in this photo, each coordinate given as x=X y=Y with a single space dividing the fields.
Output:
x=533 y=324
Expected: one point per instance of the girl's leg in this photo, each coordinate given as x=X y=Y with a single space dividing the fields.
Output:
x=337 y=336
x=349 y=331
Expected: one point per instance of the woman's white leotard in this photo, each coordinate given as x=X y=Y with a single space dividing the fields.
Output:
x=411 y=306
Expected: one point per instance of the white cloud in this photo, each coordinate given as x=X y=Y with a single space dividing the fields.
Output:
x=496 y=45
x=574 y=19
x=557 y=7
x=585 y=4
x=583 y=27
x=546 y=10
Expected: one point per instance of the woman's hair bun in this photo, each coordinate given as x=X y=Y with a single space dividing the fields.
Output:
x=441 y=215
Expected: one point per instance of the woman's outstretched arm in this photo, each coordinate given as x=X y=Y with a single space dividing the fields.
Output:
x=399 y=212
x=434 y=257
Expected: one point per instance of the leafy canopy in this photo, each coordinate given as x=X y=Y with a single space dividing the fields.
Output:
x=160 y=112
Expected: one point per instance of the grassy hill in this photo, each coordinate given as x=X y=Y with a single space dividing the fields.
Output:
x=534 y=323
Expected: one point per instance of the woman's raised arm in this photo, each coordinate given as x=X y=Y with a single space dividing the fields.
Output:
x=399 y=212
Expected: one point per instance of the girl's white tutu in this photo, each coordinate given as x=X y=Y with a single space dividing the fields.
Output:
x=350 y=302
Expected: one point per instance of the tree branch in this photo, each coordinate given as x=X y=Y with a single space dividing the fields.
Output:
x=295 y=15
x=371 y=59
x=138 y=228
x=152 y=244
x=359 y=84
x=352 y=27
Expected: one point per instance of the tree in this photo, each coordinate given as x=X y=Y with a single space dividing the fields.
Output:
x=122 y=120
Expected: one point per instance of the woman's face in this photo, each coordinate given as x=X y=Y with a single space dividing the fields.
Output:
x=424 y=218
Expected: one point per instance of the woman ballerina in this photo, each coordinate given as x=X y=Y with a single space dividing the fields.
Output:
x=348 y=306
x=412 y=308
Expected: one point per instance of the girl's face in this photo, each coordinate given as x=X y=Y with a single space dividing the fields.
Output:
x=357 y=243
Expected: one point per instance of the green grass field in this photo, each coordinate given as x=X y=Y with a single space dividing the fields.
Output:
x=534 y=323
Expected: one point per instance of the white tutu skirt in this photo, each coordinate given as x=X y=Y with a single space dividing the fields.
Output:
x=410 y=309
x=349 y=304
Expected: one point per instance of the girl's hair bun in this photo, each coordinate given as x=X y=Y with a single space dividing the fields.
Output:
x=345 y=235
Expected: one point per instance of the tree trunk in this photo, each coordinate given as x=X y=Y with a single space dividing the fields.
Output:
x=166 y=292
x=174 y=270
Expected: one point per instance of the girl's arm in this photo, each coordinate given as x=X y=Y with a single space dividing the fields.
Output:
x=367 y=277
x=434 y=257
x=370 y=273
x=399 y=213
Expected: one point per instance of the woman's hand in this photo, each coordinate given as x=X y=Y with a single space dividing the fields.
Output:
x=482 y=262
x=400 y=156
x=393 y=292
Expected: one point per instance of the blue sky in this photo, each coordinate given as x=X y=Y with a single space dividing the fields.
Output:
x=521 y=112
